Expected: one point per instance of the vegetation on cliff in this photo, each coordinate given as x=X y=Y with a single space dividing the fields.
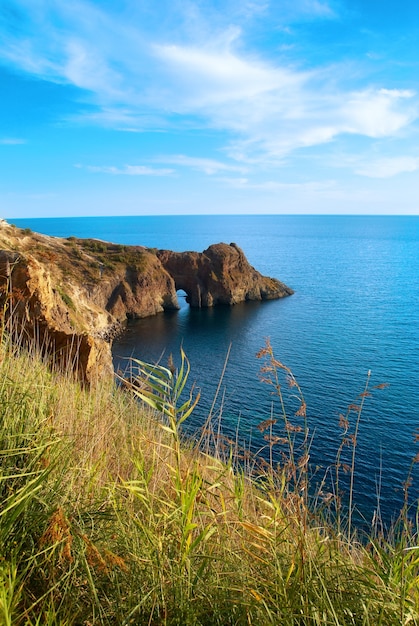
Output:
x=74 y=294
x=108 y=517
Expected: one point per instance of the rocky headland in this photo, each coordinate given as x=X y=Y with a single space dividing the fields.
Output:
x=73 y=295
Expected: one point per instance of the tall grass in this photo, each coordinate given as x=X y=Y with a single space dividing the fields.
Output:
x=108 y=516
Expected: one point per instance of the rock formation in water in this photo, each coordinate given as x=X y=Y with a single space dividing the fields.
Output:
x=73 y=294
x=219 y=275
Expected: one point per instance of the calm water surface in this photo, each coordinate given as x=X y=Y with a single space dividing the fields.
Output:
x=355 y=309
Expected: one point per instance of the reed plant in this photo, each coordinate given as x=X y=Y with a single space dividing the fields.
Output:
x=109 y=515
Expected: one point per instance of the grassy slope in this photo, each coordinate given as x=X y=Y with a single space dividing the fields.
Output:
x=106 y=519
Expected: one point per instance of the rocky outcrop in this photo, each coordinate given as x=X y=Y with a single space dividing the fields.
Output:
x=34 y=309
x=137 y=287
x=219 y=275
x=72 y=295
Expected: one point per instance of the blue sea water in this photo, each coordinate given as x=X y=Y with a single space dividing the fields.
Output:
x=355 y=309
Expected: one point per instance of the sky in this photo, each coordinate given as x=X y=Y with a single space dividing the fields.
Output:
x=145 y=107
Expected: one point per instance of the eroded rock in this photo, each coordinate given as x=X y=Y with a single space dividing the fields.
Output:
x=219 y=275
x=72 y=295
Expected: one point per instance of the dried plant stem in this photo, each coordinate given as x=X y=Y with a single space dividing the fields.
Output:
x=354 y=444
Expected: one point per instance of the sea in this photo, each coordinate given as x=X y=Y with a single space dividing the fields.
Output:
x=353 y=320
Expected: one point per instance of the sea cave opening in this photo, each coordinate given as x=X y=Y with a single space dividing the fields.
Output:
x=181 y=298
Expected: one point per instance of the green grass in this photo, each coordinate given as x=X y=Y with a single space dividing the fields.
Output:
x=66 y=299
x=108 y=517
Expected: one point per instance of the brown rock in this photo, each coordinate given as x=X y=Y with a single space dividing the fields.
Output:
x=140 y=292
x=34 y=311
x=72 y=294
x=219 y=275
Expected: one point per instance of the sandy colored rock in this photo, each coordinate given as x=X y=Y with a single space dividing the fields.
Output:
x=73 y=295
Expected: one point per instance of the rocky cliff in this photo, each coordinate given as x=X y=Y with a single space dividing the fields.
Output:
x=73 y=294
x=219 y=275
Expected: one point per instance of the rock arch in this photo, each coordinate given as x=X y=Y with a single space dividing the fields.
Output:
x=73 y=294
x=219 y=275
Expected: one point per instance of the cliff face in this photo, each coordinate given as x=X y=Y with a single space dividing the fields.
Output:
x=34 y=307
x=72 y=294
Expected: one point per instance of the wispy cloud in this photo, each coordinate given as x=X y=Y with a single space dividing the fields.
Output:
x=388 y=167
x=208 y=166
x=379 y=113
x=276 y=186
x=203 y=79
x=127 y=170
x=310 y=9
x=11 y=141
x=314 y=119
x=200 y=74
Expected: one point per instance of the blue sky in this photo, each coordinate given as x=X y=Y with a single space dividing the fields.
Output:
x=124 y=107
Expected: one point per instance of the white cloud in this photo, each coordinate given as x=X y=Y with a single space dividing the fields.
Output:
x=388 y=167
x=316 y=8
x=86 y=68
x=208 y=166
x=198 y=75
x=11 y=141
x=311 y=119
x=294 y=11
x=127 y=170
x=206 y=79
x=277 y=186
x=378 y=113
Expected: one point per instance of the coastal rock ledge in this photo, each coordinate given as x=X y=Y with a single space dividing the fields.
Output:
x=73 y=295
